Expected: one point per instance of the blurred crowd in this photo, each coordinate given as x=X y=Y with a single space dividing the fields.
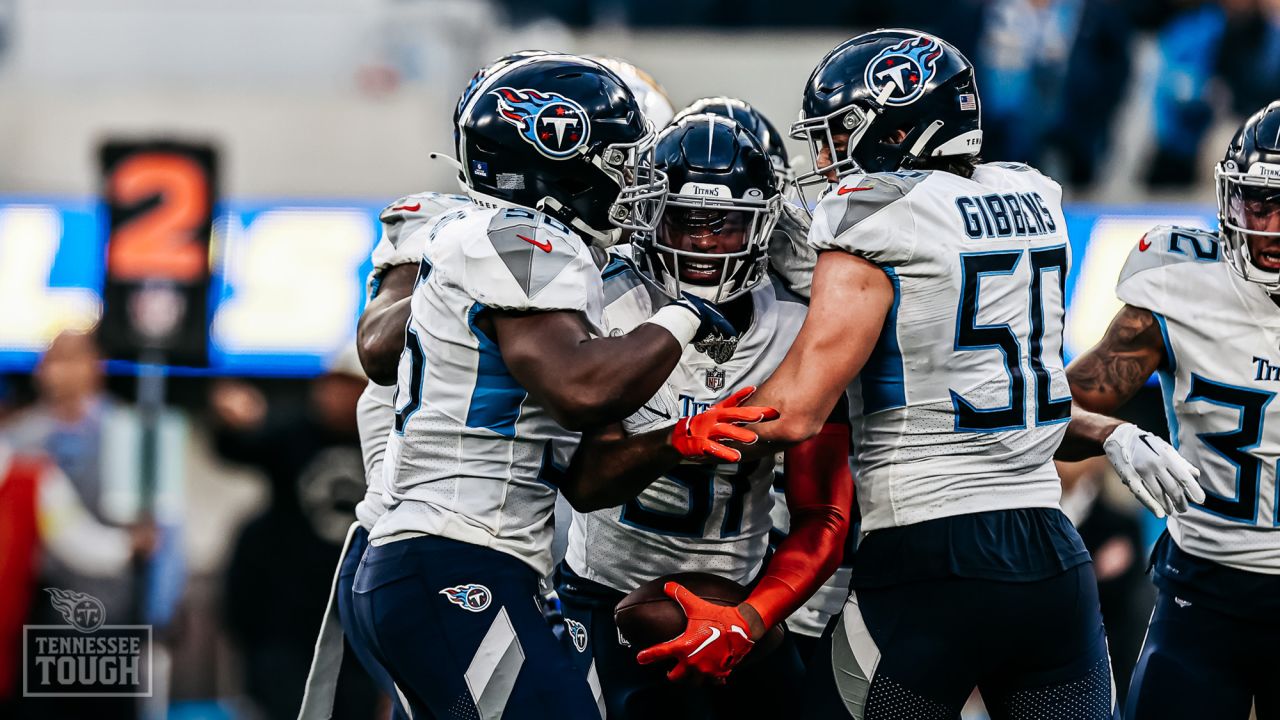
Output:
x=72 y=517
x=1054 y=73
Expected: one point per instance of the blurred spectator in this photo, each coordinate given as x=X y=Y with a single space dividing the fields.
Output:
x=79 y=427
x=1113 y=537
x=1249 y=61
x=1094 y=88
x=41 y=514
x=1022 y=63
x=284 y=559
x=87 y=436
x=1182 y=108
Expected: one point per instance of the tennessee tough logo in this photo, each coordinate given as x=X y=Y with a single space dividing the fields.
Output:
x=552 y=123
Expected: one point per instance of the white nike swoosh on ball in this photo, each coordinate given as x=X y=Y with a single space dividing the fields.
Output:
x=715 y=635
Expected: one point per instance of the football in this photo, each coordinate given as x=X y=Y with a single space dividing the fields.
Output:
x=647 y=617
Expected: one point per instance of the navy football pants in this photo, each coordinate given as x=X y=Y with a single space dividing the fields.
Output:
x=358 y=642
x=461 y=631
x=1200 y=663
x=916 y=651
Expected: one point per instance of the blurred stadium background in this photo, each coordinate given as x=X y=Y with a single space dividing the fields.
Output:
x=321 y=112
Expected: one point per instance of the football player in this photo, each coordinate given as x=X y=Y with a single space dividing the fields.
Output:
x=937 y=302
x=791 y=261
x=790 y=256
x=1200 y=310
x=650 y=95
x=499 y=359
x=380 y=338
x=712 y=242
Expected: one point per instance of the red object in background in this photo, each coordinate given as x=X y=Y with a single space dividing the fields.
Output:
x=19 y=546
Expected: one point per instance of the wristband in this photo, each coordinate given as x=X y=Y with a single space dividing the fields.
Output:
x=681 y=322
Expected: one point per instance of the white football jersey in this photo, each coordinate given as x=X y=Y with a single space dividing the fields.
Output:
x=471 y=456
x=964 y=399
x=699 y=517
x=400 y=244
x=1222 y=371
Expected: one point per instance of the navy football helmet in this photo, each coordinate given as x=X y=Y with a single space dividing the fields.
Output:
x=561 y=135
x=714 y=236
x=755 y=122
x=1248 y=184
x=650 y=94
x=483 y=73
x=880 y=82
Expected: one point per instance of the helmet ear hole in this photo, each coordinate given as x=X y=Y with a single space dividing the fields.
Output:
x=572 y=186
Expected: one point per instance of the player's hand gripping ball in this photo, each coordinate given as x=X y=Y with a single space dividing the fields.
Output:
x=690 y=618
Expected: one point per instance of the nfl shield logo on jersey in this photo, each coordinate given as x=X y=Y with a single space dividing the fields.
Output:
x=715 y=379
x=470 y=597
x=578 y=632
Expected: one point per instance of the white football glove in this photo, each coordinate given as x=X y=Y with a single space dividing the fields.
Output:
x=1155 y=473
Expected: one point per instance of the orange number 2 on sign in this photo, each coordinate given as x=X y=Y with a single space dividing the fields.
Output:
x=161 y=242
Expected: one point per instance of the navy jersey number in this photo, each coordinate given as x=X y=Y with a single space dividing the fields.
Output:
x=417 y=363
x=1234 y=446
x=972 y=336
x=699 y=481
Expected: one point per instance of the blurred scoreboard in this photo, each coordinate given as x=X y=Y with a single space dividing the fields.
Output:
x=288 y=277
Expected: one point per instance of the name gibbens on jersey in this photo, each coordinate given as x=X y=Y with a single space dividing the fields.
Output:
x=699 y=517
x=1222 y=372
x=400 y=244
x=471 y=456
x=964 y=398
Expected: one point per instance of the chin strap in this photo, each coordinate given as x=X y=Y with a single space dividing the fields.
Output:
x=599 y=238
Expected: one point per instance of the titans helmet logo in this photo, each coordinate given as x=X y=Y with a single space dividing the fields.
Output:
x=552 y=123
x=906 y=66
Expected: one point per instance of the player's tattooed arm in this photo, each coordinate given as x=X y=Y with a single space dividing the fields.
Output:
x=610 y=467
x=1111 y=372
x=584 y=382
x=851 y=298
x=380 y=333
x=1106 y=377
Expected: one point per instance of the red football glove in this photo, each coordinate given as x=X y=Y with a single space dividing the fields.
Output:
x=714 y=639
x=697 y=436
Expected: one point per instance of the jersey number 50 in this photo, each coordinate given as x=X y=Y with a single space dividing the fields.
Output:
x=972 y=336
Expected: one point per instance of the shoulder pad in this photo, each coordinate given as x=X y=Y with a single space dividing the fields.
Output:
x=790 y=256
x=401 y=221
x=621 y=275
x=1166 y=245
x=782 y=293
x=863 y=196
x=885 y=230
x=1015 y=166
x=404 y=216
x=534 y=248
